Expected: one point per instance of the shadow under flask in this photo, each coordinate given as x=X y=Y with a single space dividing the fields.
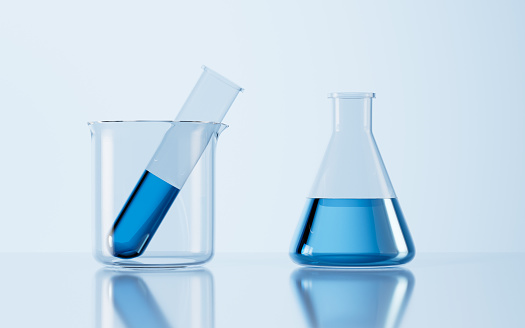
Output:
x=352 y=217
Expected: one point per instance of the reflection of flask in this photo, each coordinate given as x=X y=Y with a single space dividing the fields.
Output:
x=352 y=217
x=350 y=298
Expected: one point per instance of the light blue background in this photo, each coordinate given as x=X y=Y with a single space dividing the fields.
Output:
x=449 y=117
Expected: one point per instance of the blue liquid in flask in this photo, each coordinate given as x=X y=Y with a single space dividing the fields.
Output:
x=352 y=232
x=141 y=216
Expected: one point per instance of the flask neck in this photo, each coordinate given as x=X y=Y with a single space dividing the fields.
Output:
x=354 y=114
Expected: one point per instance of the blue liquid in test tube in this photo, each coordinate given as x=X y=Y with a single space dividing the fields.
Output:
x=144 y=210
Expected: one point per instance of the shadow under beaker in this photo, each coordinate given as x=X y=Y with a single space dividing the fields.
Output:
x=135 y=298
x=353 y=298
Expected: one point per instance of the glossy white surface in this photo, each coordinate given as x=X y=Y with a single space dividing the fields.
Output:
x=263 y=290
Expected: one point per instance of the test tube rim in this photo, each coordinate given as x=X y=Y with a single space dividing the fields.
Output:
x=222 y=78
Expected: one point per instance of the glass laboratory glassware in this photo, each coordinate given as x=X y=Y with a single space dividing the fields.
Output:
x=153 y=298
x=120 y=153
x=352 y=216
x=353 y=298
x=173 y=161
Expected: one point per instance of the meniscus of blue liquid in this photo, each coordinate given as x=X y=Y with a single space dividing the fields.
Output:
x=141 y=216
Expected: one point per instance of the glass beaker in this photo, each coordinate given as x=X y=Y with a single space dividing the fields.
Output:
x=352 y=216
x=121 y=150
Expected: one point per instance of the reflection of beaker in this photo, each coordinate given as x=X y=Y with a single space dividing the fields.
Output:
x=352 y=217
x=155 y=299
x=353 y=298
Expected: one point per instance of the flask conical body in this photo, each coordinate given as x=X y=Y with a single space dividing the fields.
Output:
x=352 y=216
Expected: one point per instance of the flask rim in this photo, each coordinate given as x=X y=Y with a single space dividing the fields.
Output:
x=351 y=95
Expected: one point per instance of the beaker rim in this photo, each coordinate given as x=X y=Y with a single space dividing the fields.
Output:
x=351 y=95
x=154 y=121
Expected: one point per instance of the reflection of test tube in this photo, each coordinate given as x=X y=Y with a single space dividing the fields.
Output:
x=135 y=304
x=172 y=164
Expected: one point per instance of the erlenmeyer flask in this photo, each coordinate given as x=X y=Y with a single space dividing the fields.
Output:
x=352 y=216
